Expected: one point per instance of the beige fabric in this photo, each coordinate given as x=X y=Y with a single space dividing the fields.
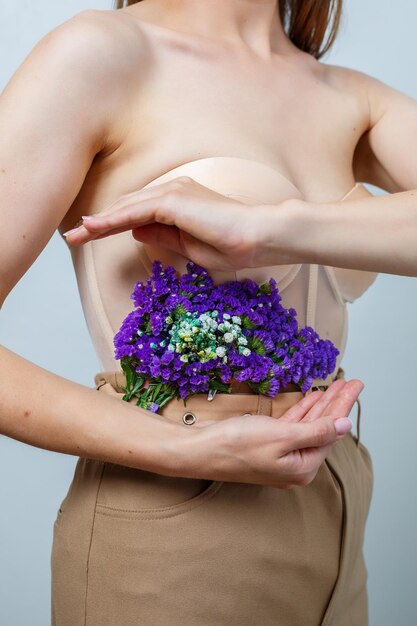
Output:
x=132 y=547
x=221 y=407
x=318 y=293
x=137 y=548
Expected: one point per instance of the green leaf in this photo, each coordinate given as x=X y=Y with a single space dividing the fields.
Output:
x=256 y=345
x=167 y=399
x=128 y=371
x=265 y=288
x=138 y=384
x=219 y=386
x=247 y=323
x=156 y=392
x=127 y=395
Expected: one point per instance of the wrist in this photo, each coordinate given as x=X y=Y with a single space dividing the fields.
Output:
x=165 y=448
x=190 y=453
x=281 y=233
x=134 y=437
x=122 y=433
x=175 y=451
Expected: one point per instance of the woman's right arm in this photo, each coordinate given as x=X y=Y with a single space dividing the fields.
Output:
x=56 y=113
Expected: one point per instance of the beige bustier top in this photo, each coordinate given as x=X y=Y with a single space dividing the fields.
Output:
x=106 y=269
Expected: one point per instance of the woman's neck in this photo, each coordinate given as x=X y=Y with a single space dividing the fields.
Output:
x=252 y=23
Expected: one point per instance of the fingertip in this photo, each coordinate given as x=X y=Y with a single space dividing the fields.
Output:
x=68 y=233
x=91 y=225
x=356 y=380
x=343 y=425
x=357 y=384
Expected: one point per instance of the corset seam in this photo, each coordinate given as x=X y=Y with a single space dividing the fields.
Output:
x=95 y=295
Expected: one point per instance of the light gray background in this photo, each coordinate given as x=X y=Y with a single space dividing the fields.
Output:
x=42 y=320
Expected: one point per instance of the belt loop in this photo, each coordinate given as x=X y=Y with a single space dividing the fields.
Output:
x=264 y=405
x=99 y=380
x=115 y=378
x=340 y=374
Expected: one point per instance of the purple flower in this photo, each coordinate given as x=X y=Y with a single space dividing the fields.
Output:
x=187 y=335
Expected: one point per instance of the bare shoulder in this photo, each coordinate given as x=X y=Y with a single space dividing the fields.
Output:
x=374 y=94
x=86 y=51
x=92 y=40
x=384 y=155
x=96 y=55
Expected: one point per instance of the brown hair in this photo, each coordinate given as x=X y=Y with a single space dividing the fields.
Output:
x=311 y=25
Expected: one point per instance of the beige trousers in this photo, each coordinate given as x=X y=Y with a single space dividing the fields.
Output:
x=132 y=547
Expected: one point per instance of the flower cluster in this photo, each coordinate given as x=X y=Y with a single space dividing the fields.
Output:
x=187 y=335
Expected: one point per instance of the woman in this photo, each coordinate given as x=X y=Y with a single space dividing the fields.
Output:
x=247 y=552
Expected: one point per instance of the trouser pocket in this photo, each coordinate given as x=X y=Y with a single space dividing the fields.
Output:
x=148 y=494
x=233 y=554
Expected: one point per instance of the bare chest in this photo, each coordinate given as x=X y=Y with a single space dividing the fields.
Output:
x=185 y=104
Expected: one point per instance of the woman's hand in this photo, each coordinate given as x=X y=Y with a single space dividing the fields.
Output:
x=186 y=217
x=282 y=453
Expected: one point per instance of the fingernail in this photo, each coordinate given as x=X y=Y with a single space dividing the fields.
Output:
x=87 y=217
x=343 y=425
x=69 y=232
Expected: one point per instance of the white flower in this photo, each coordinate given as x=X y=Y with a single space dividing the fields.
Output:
x=208 y=322
x=236 y=319
x=242 y=341
x=228 y=337
x=226 y=316
x=246 y=352
x=221 y=351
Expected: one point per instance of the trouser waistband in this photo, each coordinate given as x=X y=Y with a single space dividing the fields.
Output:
x=223 y=405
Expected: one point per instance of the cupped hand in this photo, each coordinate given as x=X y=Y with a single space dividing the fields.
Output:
x=182 y=215
x=283 y=453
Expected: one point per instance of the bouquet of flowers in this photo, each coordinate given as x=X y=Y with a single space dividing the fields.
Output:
x=187 y=335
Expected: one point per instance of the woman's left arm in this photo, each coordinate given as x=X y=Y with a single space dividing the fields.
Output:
x=375 y=233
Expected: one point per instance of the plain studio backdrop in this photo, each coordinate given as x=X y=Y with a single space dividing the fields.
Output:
x=42 y=320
